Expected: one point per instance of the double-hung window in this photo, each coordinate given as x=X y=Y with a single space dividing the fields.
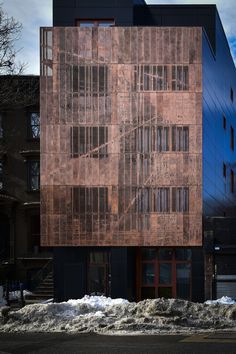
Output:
x=33 y=175
x=34 y=125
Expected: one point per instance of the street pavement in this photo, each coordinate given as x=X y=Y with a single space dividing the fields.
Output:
x=57 y=343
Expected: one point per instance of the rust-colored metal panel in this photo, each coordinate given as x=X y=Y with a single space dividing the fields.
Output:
x=121 y=136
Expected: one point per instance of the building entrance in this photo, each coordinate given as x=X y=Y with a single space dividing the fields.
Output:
x=164 y=272
x=99 y=273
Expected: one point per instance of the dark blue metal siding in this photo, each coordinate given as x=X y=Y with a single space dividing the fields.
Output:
x=219 y=75
x=65 y=12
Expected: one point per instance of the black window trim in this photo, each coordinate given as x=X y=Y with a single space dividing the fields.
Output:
x=29 y=186
x=29 y=130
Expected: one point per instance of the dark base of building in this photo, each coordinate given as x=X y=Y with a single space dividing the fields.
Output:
x=132 y=273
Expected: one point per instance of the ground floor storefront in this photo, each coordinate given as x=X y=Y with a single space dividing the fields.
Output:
x=133 y=273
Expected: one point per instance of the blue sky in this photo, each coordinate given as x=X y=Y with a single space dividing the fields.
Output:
x=35 y=13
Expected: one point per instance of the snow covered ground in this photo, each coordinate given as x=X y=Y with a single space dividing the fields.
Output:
x=2 y=302
x=118 y=316
x=225 y=300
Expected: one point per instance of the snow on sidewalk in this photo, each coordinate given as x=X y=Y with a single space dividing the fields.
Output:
x=118 y=316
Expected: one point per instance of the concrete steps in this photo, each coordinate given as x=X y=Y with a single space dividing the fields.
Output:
x=43 y=292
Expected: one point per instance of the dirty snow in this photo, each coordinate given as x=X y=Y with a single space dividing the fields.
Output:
x=224 y=300
x=13 y=295
x=118 y=316
x=2 y=302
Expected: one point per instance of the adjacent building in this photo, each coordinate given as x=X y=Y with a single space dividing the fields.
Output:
x=137 y=147
x=21 y=255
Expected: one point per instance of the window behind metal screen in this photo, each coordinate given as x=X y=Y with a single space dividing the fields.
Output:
x=92 y=140
x=180 y=199
x=180 y=138
x=92 y=200
x=75 y=78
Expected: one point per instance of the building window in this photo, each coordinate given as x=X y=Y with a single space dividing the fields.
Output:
x=180 y=199
x=90 y=80
x=33 y=175
x=143 y=140
x=154 y=138
x=92 y=200
x=89 y=140
x=95 y=22
x=232 y=138
x=224 y=123
x=232 y=94
x=46 y=52
x=180 y=78
x=161 y=200
x=164 y=272
x=34 y=125
x=161 y=139
x=143 y=200
x=183 y=280
x=180 y=138
x=154 y=200
x=1 y=174
x=232 y=181
x=224 y=170
x=150 y=78
x=1 y=126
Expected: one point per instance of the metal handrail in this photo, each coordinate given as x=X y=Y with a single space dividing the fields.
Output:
x=40 y=255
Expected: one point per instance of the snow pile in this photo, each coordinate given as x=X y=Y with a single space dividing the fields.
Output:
x=2 y=302
x=224 y=300
x=107 y=316
x=15 y=295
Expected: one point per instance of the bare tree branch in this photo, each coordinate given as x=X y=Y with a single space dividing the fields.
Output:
x=18 y=91
x=10 y=31
x=15 y=89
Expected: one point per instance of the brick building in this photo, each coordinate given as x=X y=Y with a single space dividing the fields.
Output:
x=132 y=112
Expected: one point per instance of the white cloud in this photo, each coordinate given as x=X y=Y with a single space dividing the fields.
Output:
x=227 y=12
x=32 y=14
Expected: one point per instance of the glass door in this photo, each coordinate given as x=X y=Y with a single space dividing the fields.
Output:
x=99 y=273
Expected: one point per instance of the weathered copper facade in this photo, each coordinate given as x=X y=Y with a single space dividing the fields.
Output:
x=121 y=89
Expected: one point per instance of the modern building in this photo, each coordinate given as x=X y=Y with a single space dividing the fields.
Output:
x=137 y=147
x=21 y=255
